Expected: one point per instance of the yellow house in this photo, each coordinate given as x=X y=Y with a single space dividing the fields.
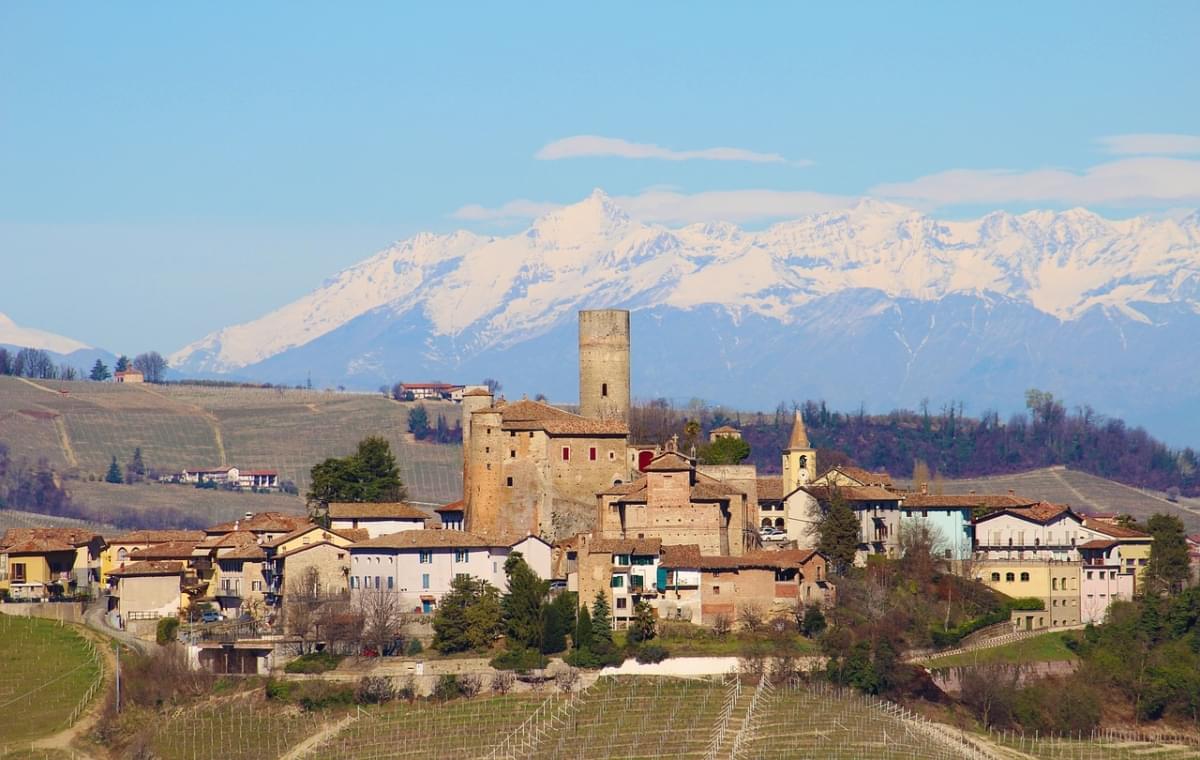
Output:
x=1055 y=582
x=119 y=549
x=36 y=563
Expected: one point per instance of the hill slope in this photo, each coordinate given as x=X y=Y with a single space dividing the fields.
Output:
x=1090 y=308
x=79 y=426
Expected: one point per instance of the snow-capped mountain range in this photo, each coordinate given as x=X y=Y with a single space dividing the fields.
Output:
x=876 y=303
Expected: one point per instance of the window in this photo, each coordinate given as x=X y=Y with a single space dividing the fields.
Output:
x=460 y=555
x=508 y=482
x=603 y=390
x=461 y=576
x=256 y=585
x=1009 y=577
x=376 y=581
x=566 y=453
x=1141 y=563
x=341 y=555
x=391 y=582
x=353 y=581
x=426 y=556
x=621 y=602
x=1054 y=584
x=122 y=554
x=778 y=522
x=425 y=580
x=512 y=453
x=716 y=590
x=1024 y=576
x=612 y=455
x=592 y=454
x=618 y=581
x=620 y=559
x=1089 y=577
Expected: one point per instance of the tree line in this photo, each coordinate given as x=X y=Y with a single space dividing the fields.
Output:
x=37 y=364
x=949 y=442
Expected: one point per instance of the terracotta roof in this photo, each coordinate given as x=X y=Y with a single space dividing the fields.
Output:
x=711 y=489
x=1042 y=512
x=964 y=501
x=245 y=551
x=770 y=489
x=72 y=537
x=227 y=540
x=534 y=415
x=866 y=477
x=263 y=522
x=350 y=534
x=395 y=510
x=149 y=568
x=477 y=392
x=669 y=461
x=725 y=429
x=39 y=546
x=689 y=556
x=799 y=437
x=851 y=493
x=428 y=539
x=625 y=489
x=680 y=556
x=353 y=534
x=1116 y=531
x=1098 y=543
x=165 y=550
x=625 y=546
x=157 y=536
x=454 y=506
x=781 y=559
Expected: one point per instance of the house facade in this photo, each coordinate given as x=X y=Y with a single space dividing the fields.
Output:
x=38 y=563
x=377 y=519
x=147 y=590
x=120 y=548
x=951 y=518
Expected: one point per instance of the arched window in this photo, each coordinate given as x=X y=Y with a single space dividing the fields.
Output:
x=1009 y=577
x=122 y=554
x=1024 y=576
x=766 y=522
x=1054 y=584
x=803 y=461
x=778 y=522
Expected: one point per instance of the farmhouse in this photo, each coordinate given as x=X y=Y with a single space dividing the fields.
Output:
x=431 y=391
x=129 y=375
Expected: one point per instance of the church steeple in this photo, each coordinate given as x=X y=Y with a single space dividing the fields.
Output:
x=799 y=458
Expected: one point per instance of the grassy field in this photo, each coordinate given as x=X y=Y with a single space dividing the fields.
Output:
x=1048 y=647
x=45 y=671
x=77 y=427
x=1082 y=491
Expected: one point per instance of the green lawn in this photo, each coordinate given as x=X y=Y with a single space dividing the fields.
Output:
x=45 y=670
x=1048 y=647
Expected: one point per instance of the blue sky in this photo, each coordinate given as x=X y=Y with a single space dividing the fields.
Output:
x=168 y=169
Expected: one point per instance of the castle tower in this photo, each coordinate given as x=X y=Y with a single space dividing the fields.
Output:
x=799 y=458
x=604 y=364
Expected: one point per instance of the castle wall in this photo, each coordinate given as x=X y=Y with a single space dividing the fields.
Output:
x=604 y=364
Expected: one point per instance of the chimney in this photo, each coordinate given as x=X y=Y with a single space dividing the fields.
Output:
x=248 y=515
x=236 y=523
x=972 y=491
x=924 y=488
x=1012 y=492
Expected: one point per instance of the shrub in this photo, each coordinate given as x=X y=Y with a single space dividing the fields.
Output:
x=502 y=681
x=587 y=659
x=650 y=653
x=408 y=688
x=447 y=688
x=314 y=662
x=751 y=617
x=722 y=624
x=166 y=631
x=520 y=660
x=280 y=690
x=566 y=680
x=470 y=684
x=374 y=690
x=413 y=648
x=321 y=695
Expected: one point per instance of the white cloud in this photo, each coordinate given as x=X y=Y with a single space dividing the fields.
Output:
x=1151 y=144
x=675 y=208
x=1126 y=181
x=516 y=210
x=594 y=146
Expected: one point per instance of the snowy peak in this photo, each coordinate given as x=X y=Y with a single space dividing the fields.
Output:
x=27 y=337
x=478 y=291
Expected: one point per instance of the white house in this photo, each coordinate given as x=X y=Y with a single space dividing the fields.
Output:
x=210 y=475
x=377 y=519
x=1104 y=579
x=419 y=565
x=1042 y=531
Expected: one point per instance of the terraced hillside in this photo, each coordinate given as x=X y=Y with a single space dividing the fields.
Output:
x=1083 y=491
x=79 y=426
x=11 y=518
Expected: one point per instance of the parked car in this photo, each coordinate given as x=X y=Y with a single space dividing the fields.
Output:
x=210 y=616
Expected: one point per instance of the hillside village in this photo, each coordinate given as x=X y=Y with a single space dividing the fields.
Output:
x=641 y=534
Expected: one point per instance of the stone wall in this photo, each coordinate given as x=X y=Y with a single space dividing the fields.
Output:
x=604 y=364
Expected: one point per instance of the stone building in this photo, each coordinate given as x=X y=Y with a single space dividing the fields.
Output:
x=677 y=504
x=531 y=467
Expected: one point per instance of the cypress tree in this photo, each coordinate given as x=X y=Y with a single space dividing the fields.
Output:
x=114 y=473
x=602 y=640
x=838 y=530
x=524 y=603
x=583 y=629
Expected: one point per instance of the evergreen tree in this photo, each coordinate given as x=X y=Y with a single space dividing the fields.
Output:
x=418 y=422
x=813 y=624
x=583 y=629
x=643 y=627
x=1169 y=566
x=602 y=638
x=554 y=630
x=114 y=473
x=136 y=469
x=725 y=451
x=368 y=475
x=468 y=617
x=99 y=372
x=838 y=532
x=485 y=619
x=122 y=363
x=523 y=604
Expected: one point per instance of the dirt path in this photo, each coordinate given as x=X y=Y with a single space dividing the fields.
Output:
x=316 y=740
x=65 y=740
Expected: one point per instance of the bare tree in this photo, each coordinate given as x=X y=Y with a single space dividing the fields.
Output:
x=751 y=616
x=503 y=681
x=301 y=607
x=152 y=365
x=382 y=616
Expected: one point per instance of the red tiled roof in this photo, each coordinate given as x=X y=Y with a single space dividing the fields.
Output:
x=245 y=551
x=39 y=546
x=625 y=546
x=148 y=568
x=454 y=506
x=1098 y=543
x=866 y=477
x=395 y=510
x=851 y=493
x=263 y=522
x=429 y=539
x=964 y=501
x=770 y=489
x=1042 y=512
x=669 y=461
x=72 y=537
x=1116 y=531
x=306 y=547
x=157 y=536
x=165 y=550
x=230 y=539
x=534 y=415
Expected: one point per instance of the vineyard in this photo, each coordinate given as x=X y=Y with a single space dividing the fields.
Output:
x=48 y=674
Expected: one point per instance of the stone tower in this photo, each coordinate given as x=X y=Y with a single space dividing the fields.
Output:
x=604 y=364
x=799 y=458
